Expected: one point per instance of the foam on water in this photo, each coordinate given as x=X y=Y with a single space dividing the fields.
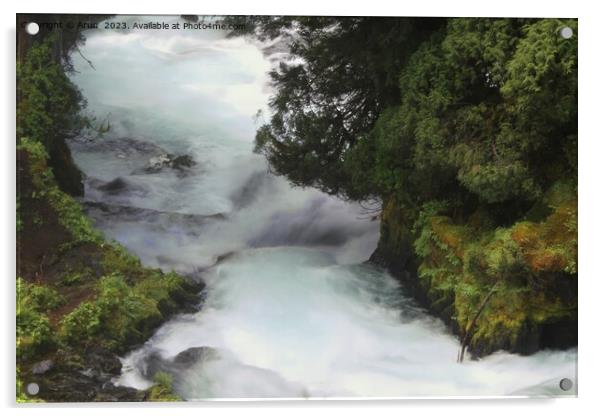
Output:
x=289 y=309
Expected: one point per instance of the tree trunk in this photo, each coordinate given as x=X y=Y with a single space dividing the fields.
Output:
x=472 y=323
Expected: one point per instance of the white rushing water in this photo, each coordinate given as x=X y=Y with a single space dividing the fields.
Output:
x=290 y=311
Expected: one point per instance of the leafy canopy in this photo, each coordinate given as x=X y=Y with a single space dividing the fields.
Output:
x=340 y=75
x=476 y=111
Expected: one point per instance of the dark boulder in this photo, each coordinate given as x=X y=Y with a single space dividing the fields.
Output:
x=68 y=176
x=104 y=360
x=154 y=362
x=194 y=355
x=167 y=160
x=116 y=186
x=182 y=162
x=120 y=187
x=83 y=378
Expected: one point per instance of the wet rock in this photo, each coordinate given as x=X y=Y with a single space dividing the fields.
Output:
x=154 y=362
x=122 y=148
x=116 y=186
x=103 y=360
x=185 y=299
x=74 y=386
x=304 y=227
x=42 y=367
x=113 y=393
x=107 y=214
x=119 y=187
x=194 y=355
x=167 y=160
x=182 y=162
x=226 y=256
x=83 y=378
x=155 y=164
x=67 y=174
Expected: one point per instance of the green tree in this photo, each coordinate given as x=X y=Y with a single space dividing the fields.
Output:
x=487 y=112
x=476 y=110
x=49 y=110
x=342 y=73
x=49 y=104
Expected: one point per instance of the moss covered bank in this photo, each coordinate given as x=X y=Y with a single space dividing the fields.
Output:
x=528 y=269
x=81 y=300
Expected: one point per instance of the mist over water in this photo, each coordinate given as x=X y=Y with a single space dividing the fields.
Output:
x=289 y=310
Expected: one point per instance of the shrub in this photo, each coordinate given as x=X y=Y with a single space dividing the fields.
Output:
x=38 y=297
x=34 y=333
x=118 y=314
x=162 y=391
x=83 y=323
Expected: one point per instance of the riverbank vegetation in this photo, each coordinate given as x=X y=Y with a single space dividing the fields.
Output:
x=81 y=299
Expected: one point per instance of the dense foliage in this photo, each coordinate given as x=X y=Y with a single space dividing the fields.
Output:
x=488 y=111
x=487 y=106
x=48 y=108
x=341 y=74
x=472 y=151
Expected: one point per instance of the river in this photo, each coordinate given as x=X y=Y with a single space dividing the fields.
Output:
x=290 y=310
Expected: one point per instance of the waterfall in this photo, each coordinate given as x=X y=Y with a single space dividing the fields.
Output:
x=290 y=308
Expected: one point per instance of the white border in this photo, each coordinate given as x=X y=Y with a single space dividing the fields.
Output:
x=589 y=206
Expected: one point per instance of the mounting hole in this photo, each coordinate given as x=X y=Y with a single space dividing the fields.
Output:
x=32 y=389
x=566 y=384
x=566 y=32
x=32 y=28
